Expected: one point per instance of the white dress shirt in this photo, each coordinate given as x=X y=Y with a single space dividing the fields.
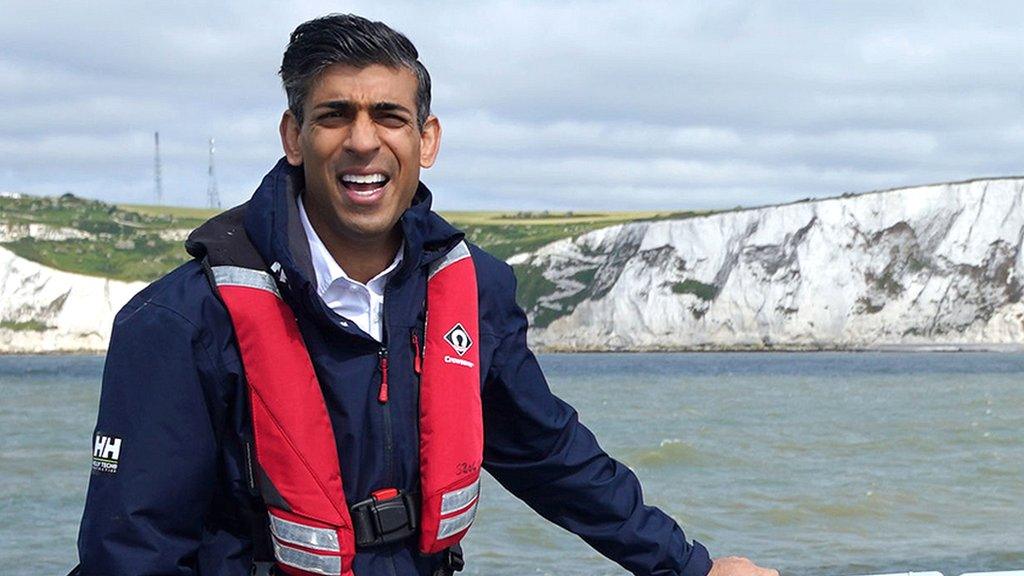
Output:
x=363 y=304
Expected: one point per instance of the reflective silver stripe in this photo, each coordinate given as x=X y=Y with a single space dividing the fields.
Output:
x=457 y=524
x=235 y=276
x=326 y=565
x=459 y=499
x=306 y=536
x=460 y=252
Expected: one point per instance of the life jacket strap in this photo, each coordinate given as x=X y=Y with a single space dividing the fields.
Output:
x=453 y=561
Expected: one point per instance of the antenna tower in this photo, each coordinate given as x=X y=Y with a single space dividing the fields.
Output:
x=211 y=187
x=158 y=183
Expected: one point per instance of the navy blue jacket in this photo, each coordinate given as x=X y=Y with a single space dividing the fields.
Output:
x=180 y=501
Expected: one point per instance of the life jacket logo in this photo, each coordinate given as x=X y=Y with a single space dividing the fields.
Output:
x=106 y=452
x=459 y=339
x=466 y=468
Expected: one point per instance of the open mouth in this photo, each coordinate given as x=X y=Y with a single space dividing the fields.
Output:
x=364 y=185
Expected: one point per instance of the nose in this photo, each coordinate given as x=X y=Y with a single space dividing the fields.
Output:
x=362 y=137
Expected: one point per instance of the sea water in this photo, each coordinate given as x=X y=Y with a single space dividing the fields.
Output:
x=817 y=463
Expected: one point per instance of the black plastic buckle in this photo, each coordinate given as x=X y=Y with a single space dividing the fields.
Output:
x=454 y=558
x=387 y=516
x=451 y=561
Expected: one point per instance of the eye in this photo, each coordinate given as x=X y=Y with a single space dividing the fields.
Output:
x=334 y=115
x=392 y=120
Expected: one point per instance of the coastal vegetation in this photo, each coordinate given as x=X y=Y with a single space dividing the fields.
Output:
x=95 y=238
x=28 y=326
x=507 y=234
x=142 y=242
x=706 y=292
x=907 y=267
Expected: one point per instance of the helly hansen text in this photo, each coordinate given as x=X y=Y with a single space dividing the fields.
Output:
x=106 y=452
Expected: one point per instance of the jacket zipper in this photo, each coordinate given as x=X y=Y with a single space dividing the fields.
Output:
x=382 y=355
x=382 y=394
x=417 y=360
x=417 y=368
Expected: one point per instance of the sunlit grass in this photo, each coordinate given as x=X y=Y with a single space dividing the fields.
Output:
x=124 y=241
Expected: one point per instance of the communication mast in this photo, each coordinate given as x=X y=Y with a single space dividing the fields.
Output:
x=211 y=187
x=158 y=183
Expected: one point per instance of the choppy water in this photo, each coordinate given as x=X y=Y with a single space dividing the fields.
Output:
x=818 y=463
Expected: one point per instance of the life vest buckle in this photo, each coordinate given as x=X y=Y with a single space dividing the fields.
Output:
x=387 y=516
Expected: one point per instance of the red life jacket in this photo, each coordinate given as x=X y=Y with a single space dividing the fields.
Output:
x=311 y=526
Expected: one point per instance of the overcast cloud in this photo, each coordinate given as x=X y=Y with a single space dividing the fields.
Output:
x=574 y=105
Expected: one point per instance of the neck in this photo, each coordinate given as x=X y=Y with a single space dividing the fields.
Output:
x=363 y=259
x=361 y=256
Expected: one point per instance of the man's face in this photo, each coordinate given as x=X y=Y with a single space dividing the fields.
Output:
x=361 y=150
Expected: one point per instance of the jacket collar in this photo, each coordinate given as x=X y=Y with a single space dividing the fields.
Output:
x=273 y=226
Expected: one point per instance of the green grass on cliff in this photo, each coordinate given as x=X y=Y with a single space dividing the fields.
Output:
x=123 y=243
x=95 y=217
x=144 y=258
x=507 y=234
x=137 y=242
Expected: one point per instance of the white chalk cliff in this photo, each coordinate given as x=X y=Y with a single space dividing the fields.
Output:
x=47 y=310
x=930 y=266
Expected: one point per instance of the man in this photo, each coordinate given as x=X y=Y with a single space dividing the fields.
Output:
x=272 y=401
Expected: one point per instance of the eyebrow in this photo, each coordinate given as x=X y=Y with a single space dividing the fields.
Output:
x=376 y=106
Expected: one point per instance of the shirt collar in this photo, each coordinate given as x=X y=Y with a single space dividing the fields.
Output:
x=326 y=267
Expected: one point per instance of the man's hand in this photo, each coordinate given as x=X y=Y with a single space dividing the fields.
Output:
x=735 y=566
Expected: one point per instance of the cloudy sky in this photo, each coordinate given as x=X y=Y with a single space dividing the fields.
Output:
x=568 y=105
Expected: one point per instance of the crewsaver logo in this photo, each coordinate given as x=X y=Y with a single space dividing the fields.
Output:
x=459 y=339
x=106 y=452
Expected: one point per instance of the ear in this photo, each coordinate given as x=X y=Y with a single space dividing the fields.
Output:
x=430 y=141
x=290 y=138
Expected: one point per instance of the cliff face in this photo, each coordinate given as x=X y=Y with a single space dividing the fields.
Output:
x=46 y=310
x=918 y=267
x=925 y=266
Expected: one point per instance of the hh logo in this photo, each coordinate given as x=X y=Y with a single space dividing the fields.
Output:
x=106 y=452
x=459 y=339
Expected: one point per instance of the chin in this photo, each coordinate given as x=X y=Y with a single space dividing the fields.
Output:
x=371 y=229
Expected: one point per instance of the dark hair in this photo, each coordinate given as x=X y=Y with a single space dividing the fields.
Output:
x=353 y=40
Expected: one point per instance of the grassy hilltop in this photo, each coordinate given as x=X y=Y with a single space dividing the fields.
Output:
x=135 y=242
x=94 y=238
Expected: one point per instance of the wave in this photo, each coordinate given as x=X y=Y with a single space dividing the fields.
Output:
x=670 y=452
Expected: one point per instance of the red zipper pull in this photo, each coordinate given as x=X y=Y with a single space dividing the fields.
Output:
x=382 y=396
x=417 y=360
